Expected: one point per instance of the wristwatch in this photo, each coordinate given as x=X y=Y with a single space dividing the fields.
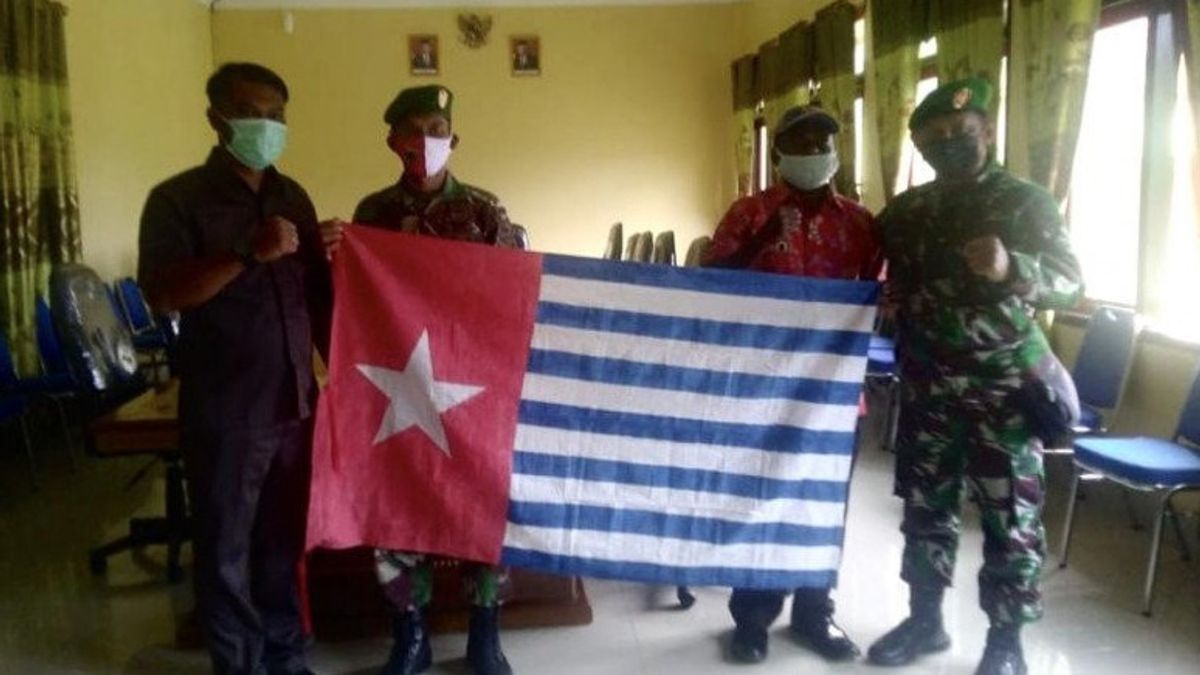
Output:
x=245 y=253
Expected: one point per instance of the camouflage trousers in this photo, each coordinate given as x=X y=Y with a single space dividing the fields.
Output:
x=962 y=432
x=407 y=580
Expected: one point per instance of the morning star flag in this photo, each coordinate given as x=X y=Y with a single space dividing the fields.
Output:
x=589 y=417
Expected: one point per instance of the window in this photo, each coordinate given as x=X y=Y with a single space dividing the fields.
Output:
x=1106 y=196
x=1172 y=310
x=1133 y=206
x=914 y=170
x=762 y=147
x=860 y=69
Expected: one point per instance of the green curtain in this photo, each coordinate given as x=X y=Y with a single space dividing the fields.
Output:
x=833 y=70
x=897 y=29
x=1192 y=47
x=970 y=38
x=1056 y=36
x=771 y=82
x=40 y=211
x=744 y=103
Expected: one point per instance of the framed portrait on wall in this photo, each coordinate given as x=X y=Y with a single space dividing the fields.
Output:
x=526 y=54
x=423 y=54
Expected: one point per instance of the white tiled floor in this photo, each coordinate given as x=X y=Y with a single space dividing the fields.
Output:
x=56 y=618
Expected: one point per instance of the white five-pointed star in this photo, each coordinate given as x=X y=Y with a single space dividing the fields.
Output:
x=415 y=398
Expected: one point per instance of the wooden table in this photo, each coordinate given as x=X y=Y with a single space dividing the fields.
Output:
x=344 y=597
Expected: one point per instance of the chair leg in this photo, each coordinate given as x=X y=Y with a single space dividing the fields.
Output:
x=893 y=415
x=1134 y=522
x=1155 y=546
x=1069 y=524
x=66 y=429
x=1184 y=548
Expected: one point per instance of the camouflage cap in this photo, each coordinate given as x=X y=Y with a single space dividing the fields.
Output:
x=418 y=101
x=972 y=93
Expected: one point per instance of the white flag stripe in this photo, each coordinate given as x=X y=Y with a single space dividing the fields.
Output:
x=639 y=548
x=683 y=354
x=556 y=490
x=709 y=306
x=653 y=452
x=688 y=405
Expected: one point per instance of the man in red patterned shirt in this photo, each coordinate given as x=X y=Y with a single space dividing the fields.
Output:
x=799 y=226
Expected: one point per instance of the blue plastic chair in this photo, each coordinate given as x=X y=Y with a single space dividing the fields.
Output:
x=1165 y=468
x=147 y=334
x=14 y=403
x=882 y=372
x=1102 y=366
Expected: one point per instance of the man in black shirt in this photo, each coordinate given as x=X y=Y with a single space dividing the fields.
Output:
x=233 y=245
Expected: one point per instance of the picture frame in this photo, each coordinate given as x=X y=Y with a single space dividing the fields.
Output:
x=423 y=55
x=525 y=55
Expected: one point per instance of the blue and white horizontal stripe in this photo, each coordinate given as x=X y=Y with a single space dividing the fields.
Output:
x=687 y=426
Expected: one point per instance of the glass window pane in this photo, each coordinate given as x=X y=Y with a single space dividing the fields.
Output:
x=927 y=49
x=914 y=170
x=1173 y=308
x=1106 y=195
x=860 y=131
x=860 y=47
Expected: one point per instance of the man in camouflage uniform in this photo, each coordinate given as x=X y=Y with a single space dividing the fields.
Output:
x=971 y=256
x=428 y=200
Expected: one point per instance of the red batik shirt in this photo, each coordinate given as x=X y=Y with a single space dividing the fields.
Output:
x=823 y=235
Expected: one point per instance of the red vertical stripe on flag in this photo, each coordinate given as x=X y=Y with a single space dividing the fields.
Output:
x=476 y=306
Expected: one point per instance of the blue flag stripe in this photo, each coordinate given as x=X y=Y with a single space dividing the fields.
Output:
x=669 y=526
x=775 y=438
x=667 y=574
x=717 y=383
x=846 y=343
x=531 y=462
x=727 y=282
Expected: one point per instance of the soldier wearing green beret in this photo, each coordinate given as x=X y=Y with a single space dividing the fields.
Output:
x=428 y=200
x=971 y=256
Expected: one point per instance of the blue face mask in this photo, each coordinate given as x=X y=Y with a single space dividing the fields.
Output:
x=256 y=142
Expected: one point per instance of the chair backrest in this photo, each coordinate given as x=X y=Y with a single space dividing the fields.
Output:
x=1105 y=356
x=1189 y=419
x=696 y=251
x=134 y=306
x=643 y=250
x=54 y=362
x=612 y=248
x=95 y=341
x=664 y=248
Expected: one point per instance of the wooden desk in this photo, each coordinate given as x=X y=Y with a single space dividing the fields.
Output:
x=344 y=597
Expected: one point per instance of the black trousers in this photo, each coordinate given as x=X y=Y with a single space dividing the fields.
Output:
x=249 y=498
x=755 y=610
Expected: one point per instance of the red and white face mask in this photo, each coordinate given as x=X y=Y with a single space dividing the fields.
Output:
x=423 y=156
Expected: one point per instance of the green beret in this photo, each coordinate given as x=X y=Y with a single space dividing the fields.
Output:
x=972 y=93
x=418 y=101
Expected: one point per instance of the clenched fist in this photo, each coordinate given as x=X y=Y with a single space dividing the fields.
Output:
x=275 y=238
x=331 y=235
x=987 y=257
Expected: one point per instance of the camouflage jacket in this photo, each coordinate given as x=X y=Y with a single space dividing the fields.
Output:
x=951 y=318
x=459 y=211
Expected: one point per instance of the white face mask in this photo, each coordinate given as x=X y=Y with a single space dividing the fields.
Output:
x=808 y=172
x=437 y=154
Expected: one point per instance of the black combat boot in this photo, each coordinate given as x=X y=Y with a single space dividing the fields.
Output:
x=410 y=645
x=484 y=656
x=1003 y=655
x=921 y=633
x=749 y=645
x=813 y=626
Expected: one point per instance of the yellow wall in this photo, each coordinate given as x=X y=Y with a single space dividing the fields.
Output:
x=137 y=70
x=627 y=123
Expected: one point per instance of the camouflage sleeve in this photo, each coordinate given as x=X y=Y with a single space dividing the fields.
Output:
x=498 y=229
x=1043 y=270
